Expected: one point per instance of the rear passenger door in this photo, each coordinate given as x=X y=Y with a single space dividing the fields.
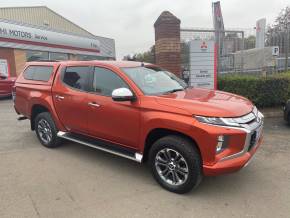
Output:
x=70 y=93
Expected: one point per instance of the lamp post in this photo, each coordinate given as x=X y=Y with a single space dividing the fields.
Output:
x=286 y=47
x=287 y=22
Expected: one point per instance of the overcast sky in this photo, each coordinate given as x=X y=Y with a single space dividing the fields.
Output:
x=130 y=22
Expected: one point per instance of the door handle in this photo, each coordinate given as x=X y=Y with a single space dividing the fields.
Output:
x=59 y=97
x=93 y=104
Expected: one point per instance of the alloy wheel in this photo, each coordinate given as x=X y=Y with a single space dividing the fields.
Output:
x=44 y=131
x=171 y=166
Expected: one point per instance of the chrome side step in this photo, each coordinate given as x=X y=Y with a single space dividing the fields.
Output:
x=101 y=145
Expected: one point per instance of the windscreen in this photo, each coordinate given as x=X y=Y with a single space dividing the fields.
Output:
x=154 y=81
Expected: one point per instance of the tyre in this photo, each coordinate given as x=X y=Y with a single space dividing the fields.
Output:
x=176 y=164
x=46 y=130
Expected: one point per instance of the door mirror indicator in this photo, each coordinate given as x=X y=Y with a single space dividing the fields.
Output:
x=122 y=94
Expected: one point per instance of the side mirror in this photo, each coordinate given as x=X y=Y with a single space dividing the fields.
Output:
x=122 y=94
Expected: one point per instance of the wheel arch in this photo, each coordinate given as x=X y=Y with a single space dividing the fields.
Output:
x=158 y=133
x=35 y=110
x=38 y=105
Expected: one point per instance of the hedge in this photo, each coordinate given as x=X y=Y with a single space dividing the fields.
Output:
x=270 y=91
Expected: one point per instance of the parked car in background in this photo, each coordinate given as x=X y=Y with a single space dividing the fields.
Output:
x=143 y=113
x=286 y=109
x=6 y=85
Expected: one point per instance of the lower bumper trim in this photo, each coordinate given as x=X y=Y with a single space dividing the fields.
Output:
x=230 y=165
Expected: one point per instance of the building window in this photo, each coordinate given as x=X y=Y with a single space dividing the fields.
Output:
x=3 y=69
x=36 y=55
x=81 y=57
x=58 y=56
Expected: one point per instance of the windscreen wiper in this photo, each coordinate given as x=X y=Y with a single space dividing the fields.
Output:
x=174 y=90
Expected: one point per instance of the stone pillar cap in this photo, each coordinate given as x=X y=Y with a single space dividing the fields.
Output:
x=166 y=17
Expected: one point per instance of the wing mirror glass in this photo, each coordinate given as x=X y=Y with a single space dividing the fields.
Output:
x=123 y=94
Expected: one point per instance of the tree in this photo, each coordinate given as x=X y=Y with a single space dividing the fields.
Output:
x=185 y=59
x=148 y=56
x=275 y=35
x=250 y=42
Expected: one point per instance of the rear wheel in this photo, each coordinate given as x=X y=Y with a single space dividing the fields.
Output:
x=46 y=130
x=175 y=164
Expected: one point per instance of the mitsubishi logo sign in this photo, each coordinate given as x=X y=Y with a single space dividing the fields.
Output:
x=202 y=64
x=203 y=46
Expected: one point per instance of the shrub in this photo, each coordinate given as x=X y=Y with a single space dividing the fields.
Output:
x=267 y=91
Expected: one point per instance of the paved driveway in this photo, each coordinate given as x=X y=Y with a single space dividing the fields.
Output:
x=77 y=181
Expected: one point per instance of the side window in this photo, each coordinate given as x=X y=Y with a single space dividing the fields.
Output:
x=28 y=73
x=105 y=81
x=77 y=77
x=38 y=73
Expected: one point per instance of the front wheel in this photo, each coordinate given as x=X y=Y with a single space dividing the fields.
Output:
x=46 y=130
x=176 y=164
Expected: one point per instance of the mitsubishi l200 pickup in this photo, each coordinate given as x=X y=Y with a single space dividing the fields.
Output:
x=143 y=113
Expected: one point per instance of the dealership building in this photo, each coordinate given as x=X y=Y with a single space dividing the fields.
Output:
x=39 y=33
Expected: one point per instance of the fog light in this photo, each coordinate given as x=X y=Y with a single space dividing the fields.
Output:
x=221 y=143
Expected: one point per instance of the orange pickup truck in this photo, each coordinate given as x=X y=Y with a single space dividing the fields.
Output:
x=143 y=113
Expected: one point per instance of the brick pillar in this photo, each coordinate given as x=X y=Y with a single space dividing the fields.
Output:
x=167 y=42
x=20 y=60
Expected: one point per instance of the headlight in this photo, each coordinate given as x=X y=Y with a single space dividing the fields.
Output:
x=218 y=121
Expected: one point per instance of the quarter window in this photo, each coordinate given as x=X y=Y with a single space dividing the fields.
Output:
x=105 y=81
x=77 y=77
x=38 y=73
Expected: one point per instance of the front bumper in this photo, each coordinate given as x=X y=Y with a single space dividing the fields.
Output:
x=238 y=160
x=231 y=165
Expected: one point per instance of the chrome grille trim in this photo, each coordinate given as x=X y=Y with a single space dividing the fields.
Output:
x=248 y=118
x=249 y=129
x=245 y=119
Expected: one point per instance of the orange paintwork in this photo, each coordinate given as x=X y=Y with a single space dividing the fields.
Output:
x=129 y=123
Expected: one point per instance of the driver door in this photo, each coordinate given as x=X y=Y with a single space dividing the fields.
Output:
x=117 y=122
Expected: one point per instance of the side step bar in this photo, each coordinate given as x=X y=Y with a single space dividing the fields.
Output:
x=22 y=118
x=102 y=145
